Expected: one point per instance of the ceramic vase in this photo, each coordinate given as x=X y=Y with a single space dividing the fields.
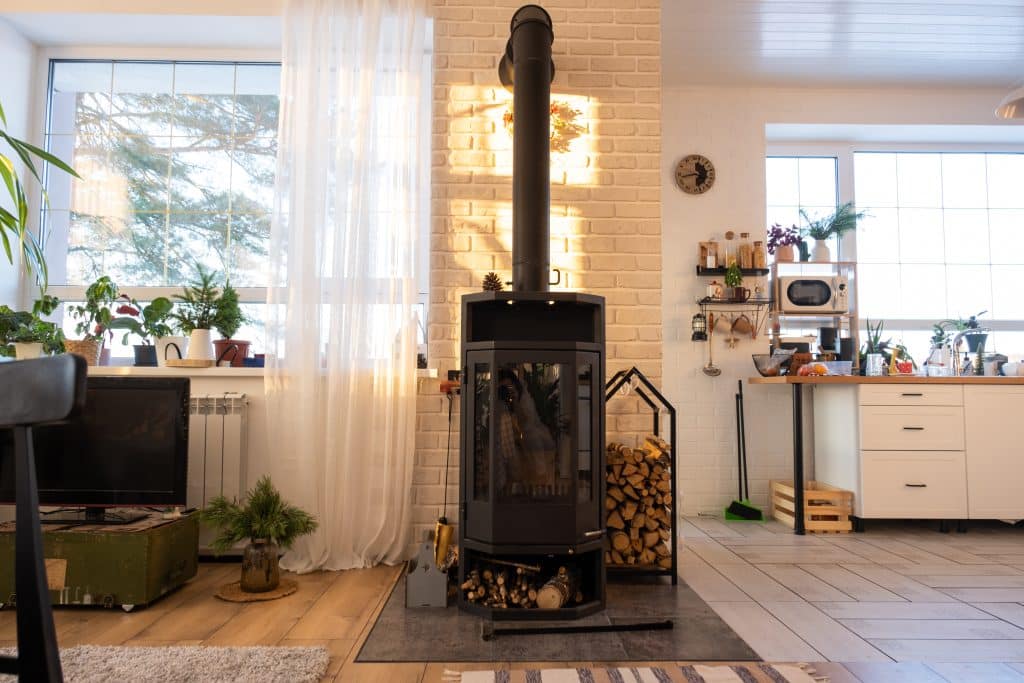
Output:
x=28 y=350
x=165 y=351
x=821 y=253
x=260 y=572
x=784 y=254
x=200 y=345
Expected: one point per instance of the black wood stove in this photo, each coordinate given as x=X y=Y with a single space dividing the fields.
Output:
x=532 y=445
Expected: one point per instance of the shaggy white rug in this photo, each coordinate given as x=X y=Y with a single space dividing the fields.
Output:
x=100 y=664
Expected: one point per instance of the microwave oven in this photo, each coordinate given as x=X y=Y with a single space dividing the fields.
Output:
x=814 y=294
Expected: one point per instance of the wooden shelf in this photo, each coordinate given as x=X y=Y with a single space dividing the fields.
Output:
x=707 y=272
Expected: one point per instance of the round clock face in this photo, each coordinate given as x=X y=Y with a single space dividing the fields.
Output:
x=695 y=174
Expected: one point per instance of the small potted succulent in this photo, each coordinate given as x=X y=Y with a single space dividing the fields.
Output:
x=196 y=314
x=147 y=322
x=781 y=242
x=268 y=522
x=229 y=319
x=94 y=317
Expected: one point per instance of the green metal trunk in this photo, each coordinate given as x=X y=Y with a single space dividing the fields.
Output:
x=124 y=566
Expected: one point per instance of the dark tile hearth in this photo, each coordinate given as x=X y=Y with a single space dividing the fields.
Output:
x=448 y=635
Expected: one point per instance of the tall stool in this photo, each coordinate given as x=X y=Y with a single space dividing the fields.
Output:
x=35 y=392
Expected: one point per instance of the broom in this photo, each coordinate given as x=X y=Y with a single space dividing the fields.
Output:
x=741 y=509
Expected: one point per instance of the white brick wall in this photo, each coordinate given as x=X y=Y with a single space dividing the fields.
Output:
x=605 y=195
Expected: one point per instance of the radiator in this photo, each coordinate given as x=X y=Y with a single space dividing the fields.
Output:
x=216 y=447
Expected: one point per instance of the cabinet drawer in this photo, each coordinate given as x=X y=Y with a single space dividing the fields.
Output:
x=911 y=428
x=911 y=395
x=914 y=484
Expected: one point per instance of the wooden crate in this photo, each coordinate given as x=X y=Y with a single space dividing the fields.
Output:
x=826 y=508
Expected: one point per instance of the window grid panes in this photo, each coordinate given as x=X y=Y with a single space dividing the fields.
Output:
x=944 y=238
x=793 y=183
x=177 y=162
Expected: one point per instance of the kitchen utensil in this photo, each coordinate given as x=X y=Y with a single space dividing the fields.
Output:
x=742 y=325
x=769 y=365
x=710 y=370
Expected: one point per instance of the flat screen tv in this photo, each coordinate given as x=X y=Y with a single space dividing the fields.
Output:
x=128 y=448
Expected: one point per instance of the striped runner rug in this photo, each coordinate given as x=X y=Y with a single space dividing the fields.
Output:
x=689 y=673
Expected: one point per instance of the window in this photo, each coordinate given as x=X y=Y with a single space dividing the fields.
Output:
x=793 y=183
x=943 y=236
x=944 y=239
x=177 y=162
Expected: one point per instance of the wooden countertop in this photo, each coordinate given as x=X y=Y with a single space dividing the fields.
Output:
x=884 y=379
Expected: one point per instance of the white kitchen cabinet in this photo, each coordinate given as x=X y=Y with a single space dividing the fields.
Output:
x=913 y=484
x=994 y=431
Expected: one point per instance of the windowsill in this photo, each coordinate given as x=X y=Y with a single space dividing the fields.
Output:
x=132 y=371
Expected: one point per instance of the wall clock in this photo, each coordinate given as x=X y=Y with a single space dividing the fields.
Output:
x=695 y=174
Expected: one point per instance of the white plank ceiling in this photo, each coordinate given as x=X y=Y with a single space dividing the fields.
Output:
x=843 y=42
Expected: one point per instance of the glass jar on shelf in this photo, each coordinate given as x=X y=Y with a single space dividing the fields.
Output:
x=730 y=250
x=746 y=251
x=760 y=255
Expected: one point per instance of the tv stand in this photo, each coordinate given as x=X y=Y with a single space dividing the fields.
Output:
x=92 y=516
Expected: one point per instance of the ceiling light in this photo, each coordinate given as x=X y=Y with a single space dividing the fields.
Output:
x=1012 y=106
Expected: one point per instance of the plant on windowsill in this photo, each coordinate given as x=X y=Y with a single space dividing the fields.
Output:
x=148 y=323
x=196 y=314
x=94 y=317
x=24 y=334
x=781 y=242
x=14 y=220
x=229 y=319
x=268 y=522
x=842 y=220
x=873 y=343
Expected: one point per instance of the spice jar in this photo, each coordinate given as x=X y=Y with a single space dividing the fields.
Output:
x=760 y=255
x=746 y=252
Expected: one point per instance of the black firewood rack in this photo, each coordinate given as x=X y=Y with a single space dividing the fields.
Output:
x=658 y=404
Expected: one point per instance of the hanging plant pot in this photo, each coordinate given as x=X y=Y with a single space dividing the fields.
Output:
x=200 y=346
x=260 y=571
x=145 y=355
x=89 y=349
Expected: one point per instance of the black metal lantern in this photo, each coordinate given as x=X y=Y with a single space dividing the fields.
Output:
x=699 y=325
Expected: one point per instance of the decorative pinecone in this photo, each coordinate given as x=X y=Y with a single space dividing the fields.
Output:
x=492 y=283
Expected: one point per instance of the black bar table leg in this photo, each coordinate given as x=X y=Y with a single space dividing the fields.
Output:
x=798 y=459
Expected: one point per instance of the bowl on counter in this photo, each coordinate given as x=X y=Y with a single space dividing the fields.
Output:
x=772 y=364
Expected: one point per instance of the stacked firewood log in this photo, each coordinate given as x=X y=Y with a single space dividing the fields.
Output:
x=504 y=585
x=638 y=504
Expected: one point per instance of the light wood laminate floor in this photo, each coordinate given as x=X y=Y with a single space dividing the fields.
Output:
x=898 y=603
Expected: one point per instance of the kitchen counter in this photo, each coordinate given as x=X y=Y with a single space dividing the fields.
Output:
x=885 y=379
x=912 y=447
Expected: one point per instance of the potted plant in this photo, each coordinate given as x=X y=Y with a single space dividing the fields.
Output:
x=974 y=339
x=25 y=335
x=196 y=314
x=268 y=522
x=229 y=319
x=148 y=322
x=94 y=317
x=843 y=220
x=734 y=281
x=873 y=343
x=781 y=242
x=14 y=222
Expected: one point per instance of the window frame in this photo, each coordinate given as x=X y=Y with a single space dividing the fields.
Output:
x=843 y=151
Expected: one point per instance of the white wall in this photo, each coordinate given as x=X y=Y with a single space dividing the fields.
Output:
x=727 y=125
x=16 y=55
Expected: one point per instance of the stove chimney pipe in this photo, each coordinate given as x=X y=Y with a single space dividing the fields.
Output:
x=528 y=70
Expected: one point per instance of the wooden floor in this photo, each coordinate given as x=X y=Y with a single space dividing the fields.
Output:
x=900 y=603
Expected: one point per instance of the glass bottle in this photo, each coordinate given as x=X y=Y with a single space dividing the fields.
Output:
x=713 y=257
x=746 y=252
x=760 y=255
x=730 y=250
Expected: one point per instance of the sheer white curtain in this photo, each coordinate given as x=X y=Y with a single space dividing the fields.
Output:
x=341 y=378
